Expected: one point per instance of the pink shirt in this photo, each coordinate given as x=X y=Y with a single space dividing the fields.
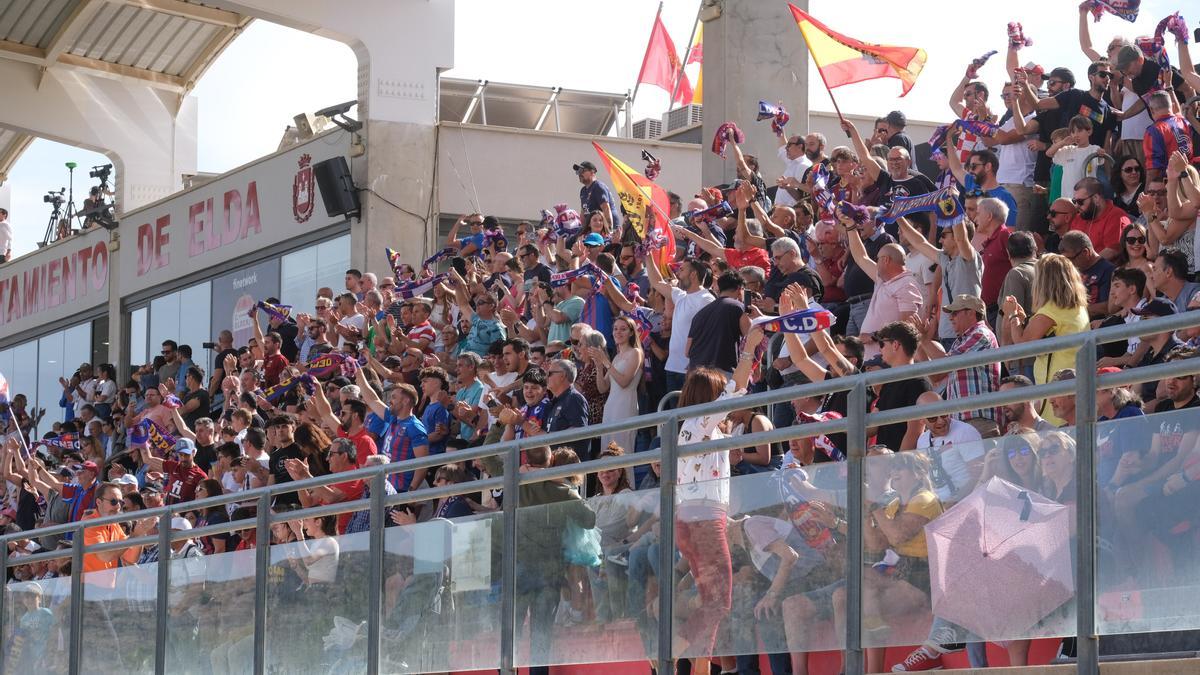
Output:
x=893 y=298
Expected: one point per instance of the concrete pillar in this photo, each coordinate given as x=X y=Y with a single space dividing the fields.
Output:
x=752 y=51
x=149 y=134
x=402 y=47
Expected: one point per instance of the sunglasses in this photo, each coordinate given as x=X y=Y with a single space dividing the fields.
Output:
x=112 y=502
x=1080 y=202
x=1135 y=241
x=1131 y=169
x=974 y=165
x=1155 y=193
x=1103 y=73
x=935 y=418
x=1024 y=451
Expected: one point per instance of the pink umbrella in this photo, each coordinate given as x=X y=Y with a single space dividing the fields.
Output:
x=1000 y=560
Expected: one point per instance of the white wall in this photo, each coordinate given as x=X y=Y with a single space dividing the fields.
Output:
x=516 y=173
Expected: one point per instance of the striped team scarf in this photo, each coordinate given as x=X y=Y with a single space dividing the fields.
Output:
x=278 y=312
x=1125 y=9
x=412 y=289
x=722 y=137
x=801 y=321
x=172 y=402
x=977 y=63
x=444 y=254
x=277 y=392
x=1016 y=36
x=563 y=278
x=653 y=165
x=778 y=116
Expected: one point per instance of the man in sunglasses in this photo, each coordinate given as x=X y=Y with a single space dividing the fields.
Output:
x=1062 y=212
x=1091 y=104
x=956 y=451
x=795 y=163
x=1099 y=218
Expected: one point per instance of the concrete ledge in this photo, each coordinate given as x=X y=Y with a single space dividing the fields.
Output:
x=1155 y=667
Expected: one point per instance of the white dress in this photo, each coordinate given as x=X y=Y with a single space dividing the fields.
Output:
x=622 y=402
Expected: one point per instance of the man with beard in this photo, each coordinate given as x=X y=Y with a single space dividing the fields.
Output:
x=182 y=474
x=1099 y=218
x=634 y=270
x=956 y=452
x=280 y=433
x=689 y=297
x=349 y=422
x=401 y=434
x=1021 y=415
x=897 y=181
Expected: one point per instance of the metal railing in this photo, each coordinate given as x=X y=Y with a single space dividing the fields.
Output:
x=854 y=425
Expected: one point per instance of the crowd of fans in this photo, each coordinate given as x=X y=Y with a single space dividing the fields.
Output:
x=1081 y=212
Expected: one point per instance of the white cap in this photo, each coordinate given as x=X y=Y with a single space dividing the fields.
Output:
x=180 y=523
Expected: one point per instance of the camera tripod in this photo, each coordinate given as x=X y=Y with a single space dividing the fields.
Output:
x=55 y=222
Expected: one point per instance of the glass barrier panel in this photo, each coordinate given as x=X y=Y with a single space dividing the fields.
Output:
x=210 y=605
x=764 y=574
x=586 y=573
x=1148 y=520
x=441 y=607
x=37 y=623
x=317 y=598
x=119 y=610
x=969 y=541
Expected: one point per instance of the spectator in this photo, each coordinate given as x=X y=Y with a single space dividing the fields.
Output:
x=959 y=267
x=354 y=283
x=792 y=152
x=1157 y=347
x=182 y=474
x=1074 y=153
x=595 y=196
x=980 y=174
x=1017 y=162
x=858 y=284
x=968 y=316
x=1126 y=295
x=956 y=452
x=352 y=325
x=170 y=368
x=343 y=456
x=401 y=435
x=1127 y=185
x=195 y=401
x=1095 y=271
x=435 y=387
x=1099 y=218
x=1022 y=415
x=6 y=237
x=719 y=327
x=899 y=342
x=688 y=298
x=1169 y=275
x=1018 y=283
x=1060 y=299
x=896 y=296
x=1061 y=214
x=620 y=376
x=568 y=408
x=1091 y=104
x=281 y=436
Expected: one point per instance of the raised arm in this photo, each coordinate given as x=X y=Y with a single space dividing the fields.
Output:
x=953 y=161
x=863 y=151
x=918 y=240
x=741 y=374
x=181 y=426
x=369 y=396
x=1185 y=67
x=859 y=252
x=709 y=246
x=656 y=280
x=324 y=411
x=956 y=96
x=1085 y=34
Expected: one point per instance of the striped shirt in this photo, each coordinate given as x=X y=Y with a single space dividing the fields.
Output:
x=424 y=331
x=969 y=382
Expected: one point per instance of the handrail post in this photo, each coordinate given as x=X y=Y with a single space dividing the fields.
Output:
x=856 y=452
x=75 y=640
x=3 y=597
x=508 y=562
x=160 y=601
x=262 y=562
x=375 y=571
x=1087 y=642
x=667 y=473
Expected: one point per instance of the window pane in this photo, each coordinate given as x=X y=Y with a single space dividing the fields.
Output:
x=138 y=336
x=333 y=259
x=6 y=367
x=50 y=368
x=195 y=322
x=24 y=371
x=164 y=321
x=100 y=353
x=77 y=347
x=298 y=279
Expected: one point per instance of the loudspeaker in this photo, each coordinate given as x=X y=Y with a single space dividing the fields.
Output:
x=337 y=188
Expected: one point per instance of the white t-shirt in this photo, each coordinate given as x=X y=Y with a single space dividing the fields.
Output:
x=686 y=306
x=1134 y=128
x=89 y=388
x=6 y=237
x=1016 y=159
x=792 y=168
x=353 y=321
x=921 y=268
x=1073 y=160
x=950 y=456
x=501 y=381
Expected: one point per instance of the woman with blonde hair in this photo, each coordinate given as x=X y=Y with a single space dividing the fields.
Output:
x=1061 y=301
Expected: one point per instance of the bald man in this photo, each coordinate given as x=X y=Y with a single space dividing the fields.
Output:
x=1060 y=215
x=897 y=294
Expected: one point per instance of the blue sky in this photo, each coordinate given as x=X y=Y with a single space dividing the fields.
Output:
x=270 y=73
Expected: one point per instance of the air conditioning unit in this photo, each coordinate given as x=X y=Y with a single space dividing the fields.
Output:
x=680 y=118
x=647 y=129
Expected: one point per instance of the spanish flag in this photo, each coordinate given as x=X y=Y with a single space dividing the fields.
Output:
x=644 y=203
x=843 y=60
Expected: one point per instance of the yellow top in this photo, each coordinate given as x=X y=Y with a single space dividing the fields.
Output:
x=1066 y=322
x=925 y=504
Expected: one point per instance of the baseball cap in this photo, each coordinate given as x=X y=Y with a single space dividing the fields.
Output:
x=965 y=301
x=127 y=479
x=185 y=446
x=1157 y=307
x=593 y=239
x=1033 y=68
x=1063 y=74
x=1107 y=370
x=180 y=523
x=875 y=362
x=585 y=165
x=89 y=466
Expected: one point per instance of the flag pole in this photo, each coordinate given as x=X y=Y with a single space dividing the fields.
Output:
x=683 y=62
x=644 y=57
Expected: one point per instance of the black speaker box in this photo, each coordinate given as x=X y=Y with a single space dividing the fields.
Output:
x=336 y=186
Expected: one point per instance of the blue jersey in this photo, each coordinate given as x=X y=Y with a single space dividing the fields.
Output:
x=398 y=439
